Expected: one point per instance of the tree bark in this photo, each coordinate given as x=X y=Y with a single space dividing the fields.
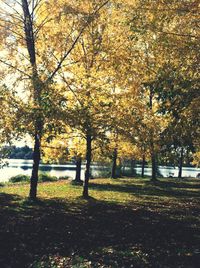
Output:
x=153 y=162
x=78 y=169
x=153 y=155
x=133 y=173
x=114 y=164
x=88 y=163
x=37 y=88
x=123 y=168
x=29 y=33
x=143 y=165
x=180 y=164
x=35 y=169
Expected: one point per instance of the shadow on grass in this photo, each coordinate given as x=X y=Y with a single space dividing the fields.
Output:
x=159 y=188
x=106 y=234
x=179 y=183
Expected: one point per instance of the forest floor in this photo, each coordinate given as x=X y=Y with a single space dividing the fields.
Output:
x=126 y=223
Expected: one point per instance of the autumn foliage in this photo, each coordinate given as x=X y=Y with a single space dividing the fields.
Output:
x=108 y=80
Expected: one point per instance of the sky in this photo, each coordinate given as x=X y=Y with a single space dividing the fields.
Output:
x=25 y=141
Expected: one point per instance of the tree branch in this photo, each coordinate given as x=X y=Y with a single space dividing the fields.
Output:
x=15 y=68
x=70 y=88
x=181 y=35
x=75 y=42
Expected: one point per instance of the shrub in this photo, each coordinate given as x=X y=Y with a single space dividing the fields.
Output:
x=64 y=178
x=19 y=178
x=76 y=183
x=44 y=177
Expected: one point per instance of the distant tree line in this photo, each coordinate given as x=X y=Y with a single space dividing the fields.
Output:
x=13 y=152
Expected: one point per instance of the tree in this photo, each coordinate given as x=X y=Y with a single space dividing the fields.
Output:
x=162 y=34
x=33 y=28
x=90 y=82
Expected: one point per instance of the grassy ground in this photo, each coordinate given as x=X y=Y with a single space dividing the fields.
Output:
x=127 y=223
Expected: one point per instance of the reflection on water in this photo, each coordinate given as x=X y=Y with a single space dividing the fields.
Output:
x=167 y=171
x=24 y=167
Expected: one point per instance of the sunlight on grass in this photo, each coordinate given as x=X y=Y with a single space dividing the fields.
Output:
x=126 y=190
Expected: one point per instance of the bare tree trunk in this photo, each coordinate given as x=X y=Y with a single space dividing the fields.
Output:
x=153 y=163
x=180 y=164
x=88 y=163
x=119 y=170
x=114 y=164
x=153 y=160
x=133 y=173
x=143 y=165
x=123 y=167
x=78 y=169
x=153 y=154
x=35 y=169
x=37 y=87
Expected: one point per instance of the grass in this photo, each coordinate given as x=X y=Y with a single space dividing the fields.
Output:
x=126 y=223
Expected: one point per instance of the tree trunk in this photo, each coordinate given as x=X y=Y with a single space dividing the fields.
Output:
x=35 y=169
x=133 y=173
x=88 y=163
x=124 y=168
x=114 y=164
x=143 y=165
x=29 y=32
x=153 y=155
x=78 y=169
x=37 y=87
x=153 y=162
x=180 y=164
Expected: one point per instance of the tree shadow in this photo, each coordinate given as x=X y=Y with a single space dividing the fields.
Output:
x=158 y=188
x=179 y=184
x=107 y=234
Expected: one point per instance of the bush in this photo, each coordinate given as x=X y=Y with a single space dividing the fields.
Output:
x=76 y=183
x=64 y=178
x=19 y=178
x=43 y=177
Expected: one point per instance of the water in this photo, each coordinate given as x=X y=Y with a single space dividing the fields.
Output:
x=167 y=171
x=16 y=167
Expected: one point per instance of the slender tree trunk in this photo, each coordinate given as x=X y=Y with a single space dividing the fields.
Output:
x=119 y=170
x=153 y=159
x=153 y=154
x=88 y=163
x=78 y=169
x=143 y=165
x=37 y=88
x=35 y=169
x=180 y=164
x=132 y=167
x=114 y=164
x=153 y=163
x=29 y=32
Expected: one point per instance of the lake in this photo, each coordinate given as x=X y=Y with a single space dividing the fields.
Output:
x=18 y=166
